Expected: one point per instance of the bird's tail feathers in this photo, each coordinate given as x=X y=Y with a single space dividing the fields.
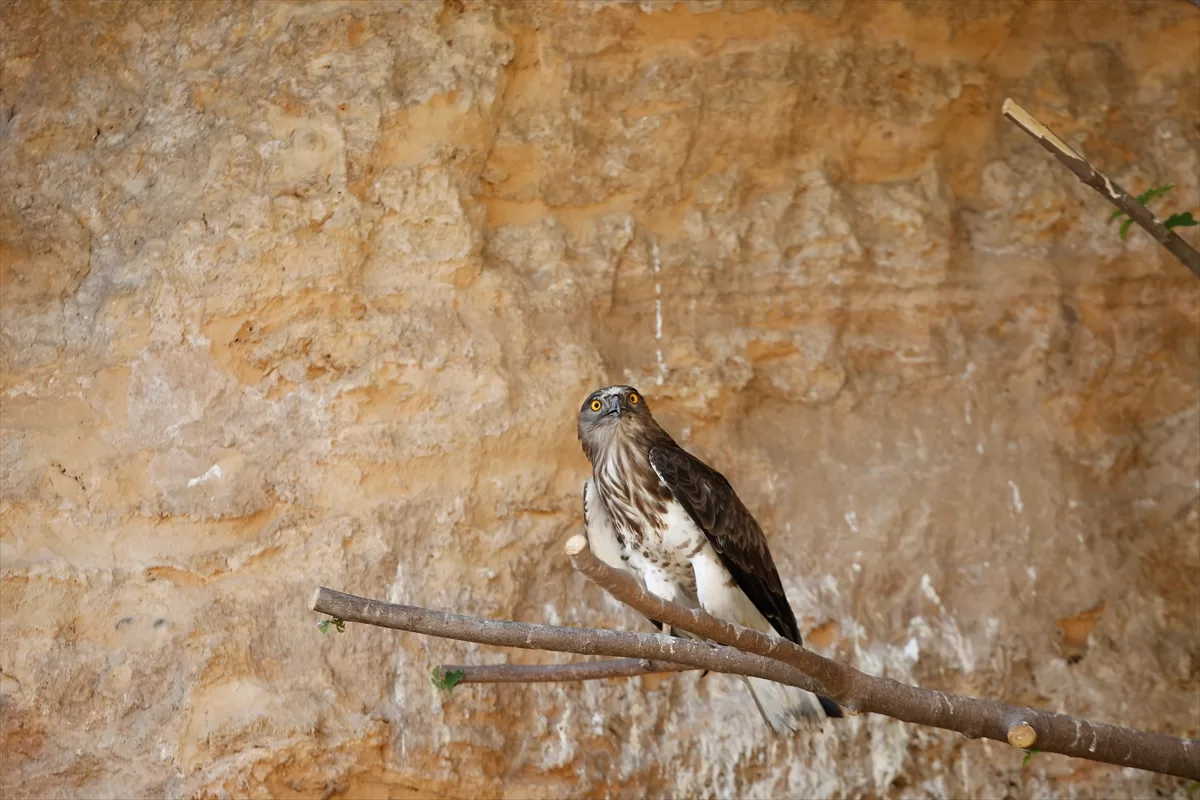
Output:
x=786 y=709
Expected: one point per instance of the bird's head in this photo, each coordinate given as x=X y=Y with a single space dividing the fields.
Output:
x=610 y=413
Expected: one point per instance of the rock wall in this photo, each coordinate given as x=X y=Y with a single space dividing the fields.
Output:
x=310 y=293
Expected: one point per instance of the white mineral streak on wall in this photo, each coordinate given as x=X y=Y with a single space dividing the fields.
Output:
x=658 y=315
x=213 y=472
x=1016 y=497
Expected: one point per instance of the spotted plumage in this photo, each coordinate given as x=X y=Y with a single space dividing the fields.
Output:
x=658 y=512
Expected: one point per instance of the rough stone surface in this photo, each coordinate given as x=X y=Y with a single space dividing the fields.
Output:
x=301 y=294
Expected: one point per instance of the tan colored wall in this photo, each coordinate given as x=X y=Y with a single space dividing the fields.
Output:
x=301 y=294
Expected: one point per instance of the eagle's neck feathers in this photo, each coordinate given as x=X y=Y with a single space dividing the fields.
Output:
x=628 y=485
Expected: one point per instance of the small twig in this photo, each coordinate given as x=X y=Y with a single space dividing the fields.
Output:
x=1108 y=189
x=574 y=671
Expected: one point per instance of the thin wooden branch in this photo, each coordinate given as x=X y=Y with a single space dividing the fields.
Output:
x=857 y=691
x=573 y=671
x=1108 y=189
x=583 y=641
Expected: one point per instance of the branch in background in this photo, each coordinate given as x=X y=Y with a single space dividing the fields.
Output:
x=1107 y=188
x=975 y=718
x=574 y=671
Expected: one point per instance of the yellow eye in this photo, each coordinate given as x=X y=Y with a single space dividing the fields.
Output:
x=633 y=399
x=596 y=404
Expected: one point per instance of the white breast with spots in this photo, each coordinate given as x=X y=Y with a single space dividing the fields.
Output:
x=664 y=558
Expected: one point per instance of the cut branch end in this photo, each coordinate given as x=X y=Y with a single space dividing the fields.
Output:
x=1034 y=128
x=576 y=545
x=1022 y=735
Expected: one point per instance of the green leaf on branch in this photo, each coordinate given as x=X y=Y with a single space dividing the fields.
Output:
x=1029 y=751
x=1125 y=229
x=1143 y=198
x=1181 y=220
x=324 y=625
x=447 y=680
x=1157 y=191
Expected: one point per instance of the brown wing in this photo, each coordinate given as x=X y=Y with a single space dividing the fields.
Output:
x=730 y=528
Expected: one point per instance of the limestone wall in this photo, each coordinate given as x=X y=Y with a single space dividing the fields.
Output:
x=309 y=293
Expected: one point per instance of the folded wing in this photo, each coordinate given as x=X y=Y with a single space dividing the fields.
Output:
x=731 y=529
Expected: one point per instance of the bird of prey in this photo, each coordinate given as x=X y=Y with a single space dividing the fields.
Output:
x=658 y=512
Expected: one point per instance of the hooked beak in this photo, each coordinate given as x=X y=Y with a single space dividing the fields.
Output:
x=615 y=408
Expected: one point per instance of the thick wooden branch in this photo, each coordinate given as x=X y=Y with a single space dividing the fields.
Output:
x=857 y=691
x=573 y=671
x=769 y=657
x=1108 y=188
x=835 y=678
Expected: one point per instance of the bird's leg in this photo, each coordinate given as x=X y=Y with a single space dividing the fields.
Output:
x=669 y=631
